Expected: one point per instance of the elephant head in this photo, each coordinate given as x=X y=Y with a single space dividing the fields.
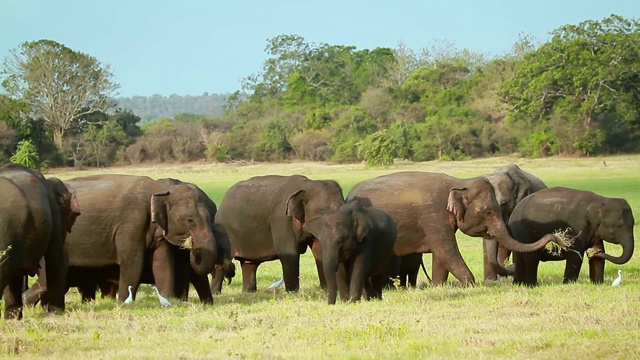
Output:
x=506 y=193
x=314 y=199
x=185 y=220
x=613 y=222
x=67 y=202
x=340 y=234
x=511 y=184
x=475 y=211
x=224 y=259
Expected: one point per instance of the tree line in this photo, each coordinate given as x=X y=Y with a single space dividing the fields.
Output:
x=575 y=94
x=156 y=106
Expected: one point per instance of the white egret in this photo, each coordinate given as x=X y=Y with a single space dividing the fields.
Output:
x=276 y=284
x=163 y=300
x=618 y=280
x=129 y=299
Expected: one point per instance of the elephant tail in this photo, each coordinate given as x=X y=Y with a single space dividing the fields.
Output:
x=425 y=271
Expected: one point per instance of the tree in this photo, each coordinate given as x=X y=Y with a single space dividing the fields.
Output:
x=585 y=73
x=381 y=147
x=59 y=83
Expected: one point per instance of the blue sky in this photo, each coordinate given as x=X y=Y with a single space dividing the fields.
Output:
x=195 y=46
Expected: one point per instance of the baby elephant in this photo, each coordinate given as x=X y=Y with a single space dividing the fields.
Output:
x=588 y=218
x=357 y=244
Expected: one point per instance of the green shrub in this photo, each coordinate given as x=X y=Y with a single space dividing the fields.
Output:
x=26 y=155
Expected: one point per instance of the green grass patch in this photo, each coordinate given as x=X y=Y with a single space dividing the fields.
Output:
x=489 y=320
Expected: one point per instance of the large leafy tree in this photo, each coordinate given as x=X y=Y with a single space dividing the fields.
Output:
x=586 y=73
x=59 y=83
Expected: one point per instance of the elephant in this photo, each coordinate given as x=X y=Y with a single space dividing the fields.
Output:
x=511 y=184
x=35 y=216
x=429 y=208
x=128 y=219
x=405 y=269
x=357 y=244
x=224 y=267
x=586 y=217
x=171 y=267
x=265 y=218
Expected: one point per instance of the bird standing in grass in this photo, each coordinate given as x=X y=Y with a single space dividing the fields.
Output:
x=129 y=298
x=163 y=301
x=276 y=284
x=618 y=280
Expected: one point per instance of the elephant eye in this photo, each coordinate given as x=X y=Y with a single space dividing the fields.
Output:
x=190 y=221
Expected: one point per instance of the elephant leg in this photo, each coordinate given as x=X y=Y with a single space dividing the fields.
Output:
x=369 y=291
x=163 y=268
x=182 y=274
x=130 y=274
x=201 y=284
x=87 y=290
x=489 y=249
x=13 y=299
x=438 y=271
x=414 y=269
x=451 y=260
x=56 y=278
x=377 y=284
x=108 y=289
x=359 y=271
x=290 y=271
x=503 y=255
x=217 y=277
x=526 y=272
x=596 y=268
x=403 y=279
x=572 y=268
x=342 y=280
x=489 y=271
x=494 y=266
x=288 y=251
x=36 y=292
x=316 y=249
x=393 y=271
x=249 y=270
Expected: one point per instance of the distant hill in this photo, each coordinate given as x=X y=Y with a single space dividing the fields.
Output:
x=154 y=107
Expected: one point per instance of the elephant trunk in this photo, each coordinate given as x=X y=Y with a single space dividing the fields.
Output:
x=627 y=252
x=503 y=238
x=204 y=252
x=330 y=264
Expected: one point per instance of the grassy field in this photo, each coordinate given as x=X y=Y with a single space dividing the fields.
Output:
x=490 y=320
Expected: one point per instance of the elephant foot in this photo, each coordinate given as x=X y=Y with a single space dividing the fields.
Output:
x=52 y=309
x=13 y=313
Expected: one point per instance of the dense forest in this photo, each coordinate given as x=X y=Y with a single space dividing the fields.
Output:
x=577 y=94
x=150 y=108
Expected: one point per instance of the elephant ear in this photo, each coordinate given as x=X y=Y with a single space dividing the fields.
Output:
x=455 y=204
x=73 y=211
x=594 y=214
x=522 y=189
x=295 y=205
x=360 y=226
x=159 y=209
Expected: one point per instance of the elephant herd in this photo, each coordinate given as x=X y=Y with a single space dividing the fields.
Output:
x=114 y=232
